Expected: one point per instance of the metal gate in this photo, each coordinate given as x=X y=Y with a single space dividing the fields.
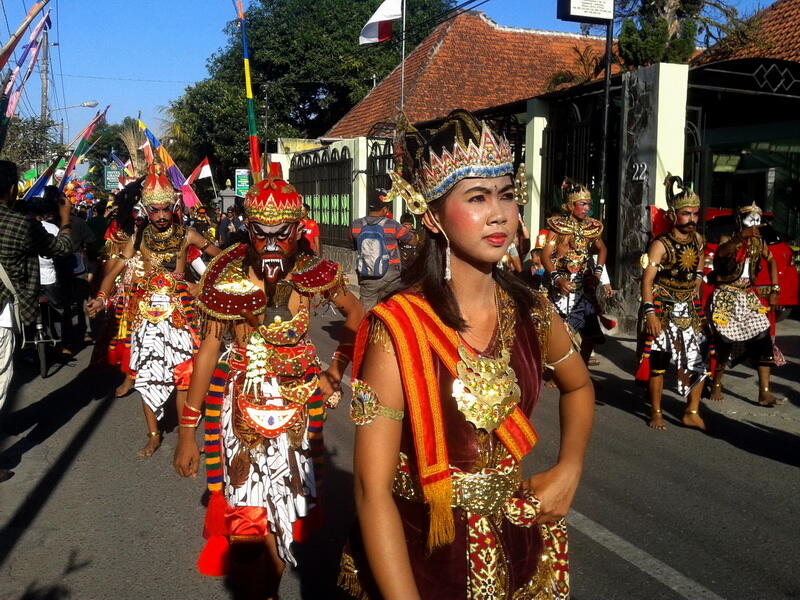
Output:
x=324 y=177
x=570 y=150
x=380 y=160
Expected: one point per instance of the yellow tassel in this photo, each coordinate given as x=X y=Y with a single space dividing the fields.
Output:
x=438 y=496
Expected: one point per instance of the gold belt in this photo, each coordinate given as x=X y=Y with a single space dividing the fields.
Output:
x=483 y=493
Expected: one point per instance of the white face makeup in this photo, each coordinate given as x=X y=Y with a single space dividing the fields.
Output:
x=751 y=219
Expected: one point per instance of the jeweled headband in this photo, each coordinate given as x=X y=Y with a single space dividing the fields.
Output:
x=490 y=158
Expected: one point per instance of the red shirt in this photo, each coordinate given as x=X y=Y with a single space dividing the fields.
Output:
x=310 y=230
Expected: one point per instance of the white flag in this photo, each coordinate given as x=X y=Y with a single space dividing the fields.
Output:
x=379 y=26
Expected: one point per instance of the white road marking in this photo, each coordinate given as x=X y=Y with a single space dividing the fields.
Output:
x=647 y=563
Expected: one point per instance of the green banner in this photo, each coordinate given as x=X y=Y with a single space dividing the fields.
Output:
x=242 y=181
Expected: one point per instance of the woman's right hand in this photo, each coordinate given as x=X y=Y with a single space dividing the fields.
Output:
x=653 y=325
x=187 y=455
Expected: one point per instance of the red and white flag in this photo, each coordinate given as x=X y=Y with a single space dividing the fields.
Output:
x=379 y=26
x=148 y=152
x=201 y=171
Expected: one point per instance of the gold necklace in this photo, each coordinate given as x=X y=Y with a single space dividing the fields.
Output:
x=486 y=390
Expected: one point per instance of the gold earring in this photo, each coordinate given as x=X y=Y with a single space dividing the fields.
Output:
x=415 y=201
x=521 y=186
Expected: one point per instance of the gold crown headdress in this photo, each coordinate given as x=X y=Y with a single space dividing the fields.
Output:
x=685 y=198
x=157 y=189
x=468 y=148
x=571 y=192
x=753 y=208
x=272 y=200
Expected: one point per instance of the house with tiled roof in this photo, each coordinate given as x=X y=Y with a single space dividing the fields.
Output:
x=777 y=36
x=468 y=62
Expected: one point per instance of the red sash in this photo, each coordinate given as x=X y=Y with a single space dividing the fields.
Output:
x=418 y=333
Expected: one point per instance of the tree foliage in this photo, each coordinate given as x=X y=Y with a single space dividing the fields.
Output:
x=28 y=141
x=668 y=30
x=587 y=66
x=304 y=58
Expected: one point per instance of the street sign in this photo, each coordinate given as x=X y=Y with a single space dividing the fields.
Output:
x=111 y=175
x=242 y=181
x=586 y=11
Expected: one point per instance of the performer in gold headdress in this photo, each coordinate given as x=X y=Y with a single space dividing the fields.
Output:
x=572 y=240
x=446 y=375
x=264 y=396
x=159 y=313
x=738 y=312
x=672 y=320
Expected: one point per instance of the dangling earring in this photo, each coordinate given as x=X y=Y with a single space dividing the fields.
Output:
x=447 y=274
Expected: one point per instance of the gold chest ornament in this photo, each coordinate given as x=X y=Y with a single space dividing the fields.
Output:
x=486 y=390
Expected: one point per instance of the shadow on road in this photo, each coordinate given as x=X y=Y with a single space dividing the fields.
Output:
x=49 y=415
x=52 y=412
x=318 y=559
x=761 y=440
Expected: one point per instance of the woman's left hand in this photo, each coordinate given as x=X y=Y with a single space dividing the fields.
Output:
x=555 y=489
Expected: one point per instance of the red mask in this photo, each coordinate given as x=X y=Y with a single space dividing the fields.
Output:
x=276 y=246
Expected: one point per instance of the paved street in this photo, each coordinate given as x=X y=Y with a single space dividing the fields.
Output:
x=660 y=515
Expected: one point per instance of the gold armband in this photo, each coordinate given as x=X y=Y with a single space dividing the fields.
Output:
x=365 y=406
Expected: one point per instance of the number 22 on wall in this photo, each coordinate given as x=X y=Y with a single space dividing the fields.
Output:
x=639 y=172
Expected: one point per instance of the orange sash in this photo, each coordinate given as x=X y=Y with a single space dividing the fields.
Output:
x=417 y=333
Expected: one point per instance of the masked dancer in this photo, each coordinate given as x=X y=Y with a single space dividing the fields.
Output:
x=159 y=312
x=572 y=240
x=264 y=396
x=446 y=375
x=739 y=314
x=672 y=319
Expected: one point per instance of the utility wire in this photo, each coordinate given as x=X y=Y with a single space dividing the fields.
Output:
x=60 y=63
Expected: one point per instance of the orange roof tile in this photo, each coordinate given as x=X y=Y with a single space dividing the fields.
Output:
x=468 y=62
x=778 y=33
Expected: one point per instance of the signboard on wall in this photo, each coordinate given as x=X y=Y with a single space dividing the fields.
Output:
x=242 y=181
x=586 y=11
x=111 y=175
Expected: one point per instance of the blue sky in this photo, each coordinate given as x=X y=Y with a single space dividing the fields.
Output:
x=137 y=56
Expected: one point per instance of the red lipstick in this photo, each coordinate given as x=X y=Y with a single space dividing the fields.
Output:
x=497 y=239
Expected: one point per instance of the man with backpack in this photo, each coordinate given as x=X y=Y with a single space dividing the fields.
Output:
x=375 y=240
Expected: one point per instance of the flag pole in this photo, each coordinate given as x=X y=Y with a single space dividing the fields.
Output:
x=403 y=61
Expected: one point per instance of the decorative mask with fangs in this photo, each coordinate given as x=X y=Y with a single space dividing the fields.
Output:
x=276 y=246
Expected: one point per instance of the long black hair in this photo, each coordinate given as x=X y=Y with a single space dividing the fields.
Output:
x=426 y=273
x=126 y=202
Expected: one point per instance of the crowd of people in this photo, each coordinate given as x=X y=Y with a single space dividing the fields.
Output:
x=450 y=342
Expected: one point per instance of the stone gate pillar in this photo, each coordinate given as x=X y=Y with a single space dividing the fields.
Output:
x=652 y=144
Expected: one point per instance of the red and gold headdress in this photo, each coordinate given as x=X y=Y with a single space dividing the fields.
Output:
x=273 y=200
x=157 y=189
x=571 y=192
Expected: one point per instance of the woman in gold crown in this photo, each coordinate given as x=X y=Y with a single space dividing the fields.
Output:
x=446 y=375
